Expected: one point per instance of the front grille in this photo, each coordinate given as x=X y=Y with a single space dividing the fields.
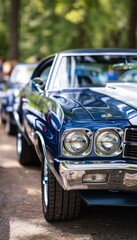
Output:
x=131 y=135
x=130 y=143
x=130 y=151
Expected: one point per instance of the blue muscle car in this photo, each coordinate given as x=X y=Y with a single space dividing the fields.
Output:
x=84 y=134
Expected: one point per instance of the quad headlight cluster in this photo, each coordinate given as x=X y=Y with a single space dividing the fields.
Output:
x=108 y=142
x=80 y=142
x=77 y=142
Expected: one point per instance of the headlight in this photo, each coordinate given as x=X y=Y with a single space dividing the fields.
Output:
x=77 y=142
x=108 y=142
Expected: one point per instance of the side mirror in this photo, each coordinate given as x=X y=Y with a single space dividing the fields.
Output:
x=38 y=83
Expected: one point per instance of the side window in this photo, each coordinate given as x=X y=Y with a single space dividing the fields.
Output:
x=44 y=74
x=42 y=71
x=63 y=79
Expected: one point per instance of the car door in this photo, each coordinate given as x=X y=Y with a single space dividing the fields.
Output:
x=32 y=111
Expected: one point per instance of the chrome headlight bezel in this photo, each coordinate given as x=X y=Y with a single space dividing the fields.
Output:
x=118 y=133
x=69 y=150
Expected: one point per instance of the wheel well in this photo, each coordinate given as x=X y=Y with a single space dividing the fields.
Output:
x=39 y=146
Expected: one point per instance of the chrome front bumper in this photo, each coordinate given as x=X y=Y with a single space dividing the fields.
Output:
x=100 y=176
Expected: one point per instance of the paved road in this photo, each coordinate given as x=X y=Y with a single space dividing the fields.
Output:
x=21 y=213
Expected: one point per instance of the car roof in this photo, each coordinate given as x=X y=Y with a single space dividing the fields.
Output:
x=25 y=64
x=89 y=51
x=102 y=51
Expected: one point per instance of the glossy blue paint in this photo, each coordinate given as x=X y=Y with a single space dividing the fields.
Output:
x=92 y=105
x=81 y=108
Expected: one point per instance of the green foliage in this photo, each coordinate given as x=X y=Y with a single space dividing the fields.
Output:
x=49 y=26
x=4 y=27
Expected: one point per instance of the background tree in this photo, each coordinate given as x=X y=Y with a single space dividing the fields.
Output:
x=42 y=27
x=132 y=30
x=4 y=32
x=13 y=52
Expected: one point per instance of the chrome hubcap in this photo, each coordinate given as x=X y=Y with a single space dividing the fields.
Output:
x=19 y=143
x=45 y=185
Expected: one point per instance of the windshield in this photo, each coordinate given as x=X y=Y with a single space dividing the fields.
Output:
x=91 y=71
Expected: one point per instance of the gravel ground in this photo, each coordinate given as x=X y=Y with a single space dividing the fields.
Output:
x=21 y=212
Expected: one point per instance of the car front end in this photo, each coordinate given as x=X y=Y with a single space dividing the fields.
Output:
x=114 y=167
x=85 y=136
x=97 y=144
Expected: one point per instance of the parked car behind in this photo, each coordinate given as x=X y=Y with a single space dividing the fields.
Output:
x=129 y=76
x=20 y=75
x=84 y=136
x=3 y=88
x=127 y=79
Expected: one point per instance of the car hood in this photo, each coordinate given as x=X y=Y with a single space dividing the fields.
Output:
x=87 y=104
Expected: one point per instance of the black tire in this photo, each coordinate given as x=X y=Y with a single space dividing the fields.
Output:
x=10 y=128
x=26 y=153
x=57 y=203
x=2 y=119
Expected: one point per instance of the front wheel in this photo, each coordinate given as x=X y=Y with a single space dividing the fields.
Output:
x=57 y=203
x=26 y=153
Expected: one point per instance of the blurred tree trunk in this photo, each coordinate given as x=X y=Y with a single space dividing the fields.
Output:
x=14 y=30
x=80 y=36
x=132 y=33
